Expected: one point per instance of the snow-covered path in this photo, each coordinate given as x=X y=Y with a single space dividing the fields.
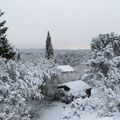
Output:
x=55 y=110
x=47 y=111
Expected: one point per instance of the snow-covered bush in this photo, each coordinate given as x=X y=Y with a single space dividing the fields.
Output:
x=19 y=82
x=14 y=103
x=105 y=71
x=104 y=48
x=102 y=103
x=104 y=76
x=78 y=107
x=106 y=59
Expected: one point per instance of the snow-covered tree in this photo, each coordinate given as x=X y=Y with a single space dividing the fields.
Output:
x=51 y=80
x=21 y=82
x=49 y=48
x=104 y=73
x=104 y=77
x=105 y=40
x=104 y=48
x=6 y=51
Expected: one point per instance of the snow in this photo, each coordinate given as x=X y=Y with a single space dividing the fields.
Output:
x=65 y=68
x=56 y=111
x=47 y=111
x=20 y=82
x=93 y=116
x=76 y=86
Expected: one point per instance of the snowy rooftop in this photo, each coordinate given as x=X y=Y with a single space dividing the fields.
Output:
x=65 y=68
x=76 y=86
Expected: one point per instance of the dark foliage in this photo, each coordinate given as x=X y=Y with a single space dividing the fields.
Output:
x=49 y=49
x=6 y=51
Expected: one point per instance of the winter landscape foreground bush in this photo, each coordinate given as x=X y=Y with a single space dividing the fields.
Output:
x=104 y=77
x=21 y=82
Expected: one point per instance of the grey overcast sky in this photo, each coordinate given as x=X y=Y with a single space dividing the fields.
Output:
x=72 y=23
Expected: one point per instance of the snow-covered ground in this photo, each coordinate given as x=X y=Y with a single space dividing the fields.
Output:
x=55 y=111
x=93 y=116
x=47 y=111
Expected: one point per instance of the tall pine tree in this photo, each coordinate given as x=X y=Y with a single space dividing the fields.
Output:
x=49 y=48
x=6 y=51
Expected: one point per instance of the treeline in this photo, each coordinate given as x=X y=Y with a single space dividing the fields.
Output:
x=7 y=50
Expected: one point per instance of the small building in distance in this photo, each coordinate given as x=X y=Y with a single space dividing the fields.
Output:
x=65 y=68
x=67 y=73
x=74 y=89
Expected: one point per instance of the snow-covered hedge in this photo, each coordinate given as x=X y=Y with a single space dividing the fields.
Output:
x=20 y=82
